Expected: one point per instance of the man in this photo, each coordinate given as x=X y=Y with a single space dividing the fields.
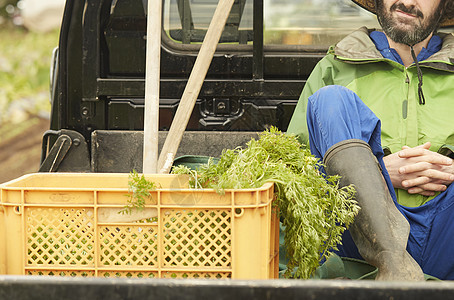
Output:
x=390 y=92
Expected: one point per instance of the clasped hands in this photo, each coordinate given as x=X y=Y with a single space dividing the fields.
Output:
x=419 y=170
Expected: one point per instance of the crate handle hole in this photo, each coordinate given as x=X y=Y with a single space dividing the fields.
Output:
x=17 y=210
x=239 y=212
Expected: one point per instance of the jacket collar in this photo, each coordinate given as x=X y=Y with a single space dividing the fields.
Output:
x=358 y=47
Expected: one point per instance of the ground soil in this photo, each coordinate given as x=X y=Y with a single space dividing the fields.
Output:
x=20 y=147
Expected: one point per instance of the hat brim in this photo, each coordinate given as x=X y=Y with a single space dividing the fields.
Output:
x=369 y=5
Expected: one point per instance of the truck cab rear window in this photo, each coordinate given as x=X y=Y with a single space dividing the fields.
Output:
x=315 y=23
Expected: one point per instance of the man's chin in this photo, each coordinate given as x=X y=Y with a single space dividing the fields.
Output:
x=405 y=29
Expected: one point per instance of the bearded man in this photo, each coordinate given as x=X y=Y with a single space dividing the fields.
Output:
x=378 y=109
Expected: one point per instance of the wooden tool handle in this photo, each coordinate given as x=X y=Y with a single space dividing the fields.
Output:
x=152 y=80
x=194 y=85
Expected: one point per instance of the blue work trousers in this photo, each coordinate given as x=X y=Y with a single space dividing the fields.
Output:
x=334 y=114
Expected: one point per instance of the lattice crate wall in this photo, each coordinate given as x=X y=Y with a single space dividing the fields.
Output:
x=68 y=225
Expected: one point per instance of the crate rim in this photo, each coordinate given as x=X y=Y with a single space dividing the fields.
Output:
x=7 y=185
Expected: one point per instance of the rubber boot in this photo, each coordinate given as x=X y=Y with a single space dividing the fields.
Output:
x=379 y=231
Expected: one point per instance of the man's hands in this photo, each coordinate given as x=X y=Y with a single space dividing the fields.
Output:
x=419 y=170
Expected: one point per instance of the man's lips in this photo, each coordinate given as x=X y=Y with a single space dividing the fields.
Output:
x=409 y=15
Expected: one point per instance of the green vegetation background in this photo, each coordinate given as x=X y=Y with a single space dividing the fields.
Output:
x=25 y=59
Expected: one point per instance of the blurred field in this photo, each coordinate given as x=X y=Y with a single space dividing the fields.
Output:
x=24 y=98
x=24 y=72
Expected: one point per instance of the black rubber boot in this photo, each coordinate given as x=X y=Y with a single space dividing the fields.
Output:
x=379 y=231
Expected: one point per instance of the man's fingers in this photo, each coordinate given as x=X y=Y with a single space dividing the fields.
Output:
x=427 y=193
x=426 y=169
x=411 y=152
x=422 y=155
x=414 y=182
x=430 y=187
x=418 y=190
x=424 y=146
x=424 y=175
x=417 y=167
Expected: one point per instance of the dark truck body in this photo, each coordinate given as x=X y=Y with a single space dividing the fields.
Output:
x=31 y=287
x=98 y=84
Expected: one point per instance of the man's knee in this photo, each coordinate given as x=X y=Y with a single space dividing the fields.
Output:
x=333 y=99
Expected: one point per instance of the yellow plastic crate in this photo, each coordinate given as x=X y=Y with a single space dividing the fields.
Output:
x=68 y=224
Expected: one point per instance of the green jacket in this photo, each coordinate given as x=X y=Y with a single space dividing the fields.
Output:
x=390 y=90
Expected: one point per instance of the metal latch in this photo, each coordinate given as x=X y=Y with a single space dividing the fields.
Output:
x=69 y=152
x=219 y=111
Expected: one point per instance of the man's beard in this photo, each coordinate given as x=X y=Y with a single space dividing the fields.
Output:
x=393 y=29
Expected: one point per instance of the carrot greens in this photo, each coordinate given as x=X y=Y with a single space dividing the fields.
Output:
x=139 y=190
x=313 y=208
